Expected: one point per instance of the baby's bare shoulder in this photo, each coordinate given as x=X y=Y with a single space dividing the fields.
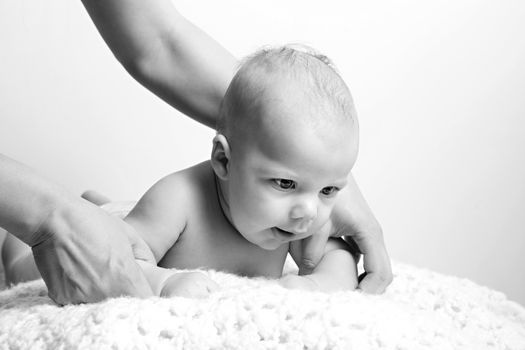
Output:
x=162 y=214
x=199 y=182
x=185 y=184
x=187 y=192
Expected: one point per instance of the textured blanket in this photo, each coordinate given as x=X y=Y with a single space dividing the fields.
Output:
x=420 y=310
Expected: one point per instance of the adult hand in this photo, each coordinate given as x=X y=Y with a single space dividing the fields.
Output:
x=353 y=219
x=86 y=255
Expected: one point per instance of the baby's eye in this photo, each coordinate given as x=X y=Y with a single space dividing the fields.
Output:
x=284 y=184
x=329 y=191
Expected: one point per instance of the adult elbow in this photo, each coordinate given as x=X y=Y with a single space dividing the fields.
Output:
x=138 y=67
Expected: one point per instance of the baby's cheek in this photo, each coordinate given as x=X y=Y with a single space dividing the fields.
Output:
x=268 y=212
x=277 y=208
x=253 y=213
x=323 y=216
x=263 y=202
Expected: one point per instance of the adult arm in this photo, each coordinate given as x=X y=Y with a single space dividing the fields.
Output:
x=166 y=53
x=82 y=253
x=189 y=70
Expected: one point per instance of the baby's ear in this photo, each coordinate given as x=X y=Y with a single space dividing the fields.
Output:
x=220 y=156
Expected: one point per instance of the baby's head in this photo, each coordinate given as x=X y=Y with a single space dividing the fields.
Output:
x=287 y=138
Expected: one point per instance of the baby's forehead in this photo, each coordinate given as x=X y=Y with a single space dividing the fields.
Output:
x=285 y=87
x=312 y=87
x=286 y=105
x=297 y=144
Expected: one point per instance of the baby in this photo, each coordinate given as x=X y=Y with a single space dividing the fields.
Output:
x=287 y=139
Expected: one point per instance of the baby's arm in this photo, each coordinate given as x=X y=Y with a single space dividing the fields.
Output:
x=160 y=217
x=336 y=271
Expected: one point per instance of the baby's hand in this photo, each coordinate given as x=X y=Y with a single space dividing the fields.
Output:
x=298 y=282
x=189 y=285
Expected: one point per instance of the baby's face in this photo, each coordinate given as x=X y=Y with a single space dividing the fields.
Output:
x=285 y=177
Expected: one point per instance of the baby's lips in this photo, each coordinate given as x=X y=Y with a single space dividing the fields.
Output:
x=302 y=228
x=291 y=232
x=283 y=232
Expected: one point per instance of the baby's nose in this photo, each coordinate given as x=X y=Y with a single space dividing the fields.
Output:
x=304 y=212
x=303 y=226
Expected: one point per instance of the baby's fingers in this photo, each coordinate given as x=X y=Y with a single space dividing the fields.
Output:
x=200 y=288
x=212 y=286
x=189 y=285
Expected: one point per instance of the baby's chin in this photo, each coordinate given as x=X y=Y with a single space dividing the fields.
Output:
x=279 y=238
x=270 y=243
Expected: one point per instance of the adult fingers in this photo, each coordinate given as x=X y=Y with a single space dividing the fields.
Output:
x=312 y=251
x=133 y=281
x=54 y=277
x=141 y=251
x=75 y=275
x=378 y=271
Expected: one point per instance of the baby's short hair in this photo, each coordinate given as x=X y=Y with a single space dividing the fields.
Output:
x=323 y=86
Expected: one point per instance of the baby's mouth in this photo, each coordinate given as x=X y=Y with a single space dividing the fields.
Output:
x=283 y=233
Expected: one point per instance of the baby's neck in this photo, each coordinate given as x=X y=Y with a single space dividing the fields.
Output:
x=223 y=202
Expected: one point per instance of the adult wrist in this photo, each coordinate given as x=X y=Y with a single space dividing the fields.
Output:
x=60 y=210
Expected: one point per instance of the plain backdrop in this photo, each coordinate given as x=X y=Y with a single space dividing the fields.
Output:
x=439 y=88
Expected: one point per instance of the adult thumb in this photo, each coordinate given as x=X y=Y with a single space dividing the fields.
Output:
x=141 y=250
x=312 y=251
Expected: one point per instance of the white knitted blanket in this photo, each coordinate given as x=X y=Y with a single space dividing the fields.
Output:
x=420 y=310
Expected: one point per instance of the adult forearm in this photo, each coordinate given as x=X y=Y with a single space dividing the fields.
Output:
x=27 y=200
x=166 y=53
